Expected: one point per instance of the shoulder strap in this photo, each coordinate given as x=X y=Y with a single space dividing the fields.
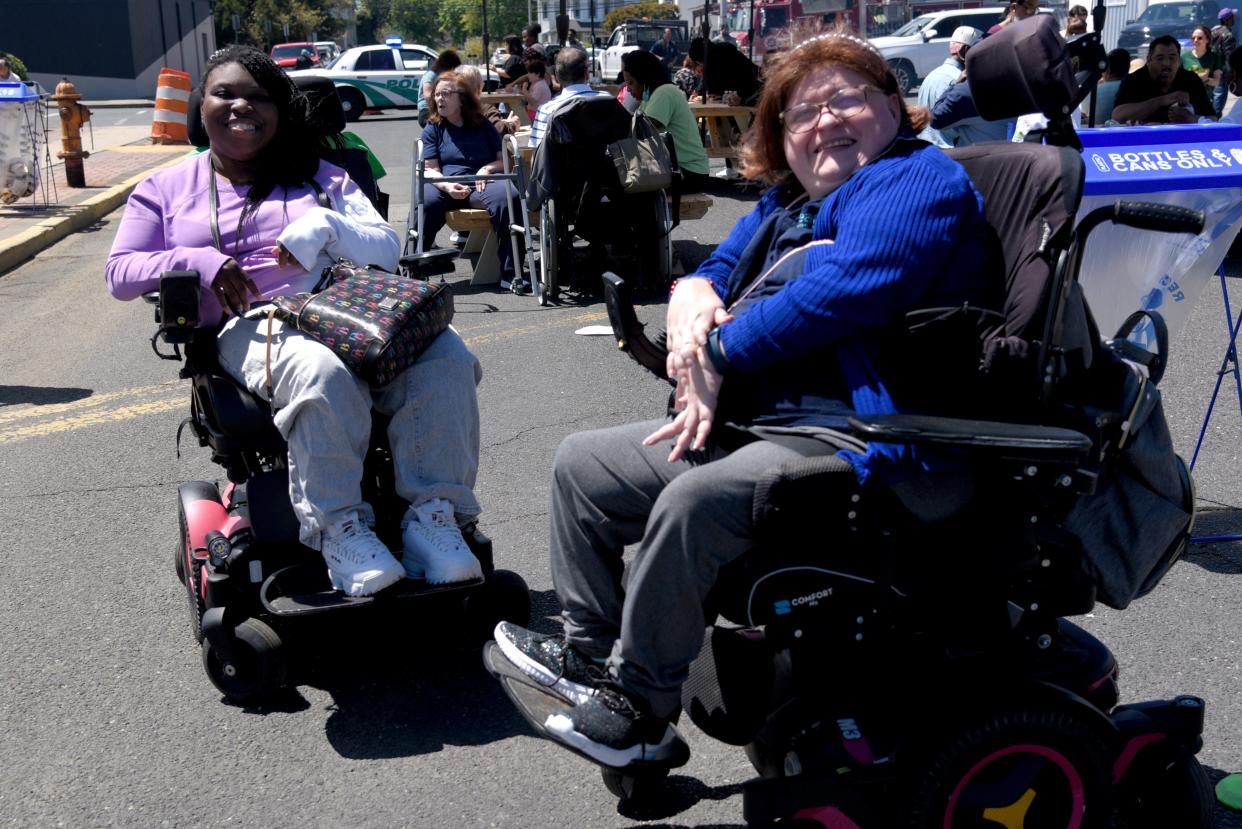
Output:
x=213 y=202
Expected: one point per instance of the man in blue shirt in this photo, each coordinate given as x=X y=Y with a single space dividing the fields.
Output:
x=942 y=77
x=572 y=72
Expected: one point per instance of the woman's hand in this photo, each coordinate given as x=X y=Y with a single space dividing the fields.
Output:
x=284 y=257
x=455 y=189
x=698 y=390
x=485 y=170
x=232 y=285
x=693 y=310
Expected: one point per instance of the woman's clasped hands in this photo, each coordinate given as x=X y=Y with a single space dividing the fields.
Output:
x=694 y=310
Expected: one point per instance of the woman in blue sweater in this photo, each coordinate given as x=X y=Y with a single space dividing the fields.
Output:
x=783 y=324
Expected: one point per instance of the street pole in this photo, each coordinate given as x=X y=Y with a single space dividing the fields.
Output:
x=487 y=54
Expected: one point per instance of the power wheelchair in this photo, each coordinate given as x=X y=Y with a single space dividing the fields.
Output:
x=574 y=187
x=1016 y=720
x=248 y=580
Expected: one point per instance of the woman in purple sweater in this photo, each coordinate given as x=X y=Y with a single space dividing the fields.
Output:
x=784 y=324
x=259 y=215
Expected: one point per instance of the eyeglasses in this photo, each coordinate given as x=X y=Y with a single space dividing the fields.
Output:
x=845 y=104
x=445 y=93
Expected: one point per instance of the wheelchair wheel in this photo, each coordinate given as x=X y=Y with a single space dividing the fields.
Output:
x=1163 y=792
x=546 y=290
x=504 y=597
x=1028 y=764
x=190 y=580
x=664 y=250
x=630 y=788
x=257 y=669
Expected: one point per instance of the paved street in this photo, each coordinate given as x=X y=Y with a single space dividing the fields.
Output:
x=106 y=716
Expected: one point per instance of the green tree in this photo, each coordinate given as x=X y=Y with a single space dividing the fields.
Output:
x=263 y=21
x=15 y=63
x=649 y=10
x=416 y=21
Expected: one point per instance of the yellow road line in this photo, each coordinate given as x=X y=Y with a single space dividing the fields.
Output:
x=87 y=402
x=137 y=402
x=68 y=424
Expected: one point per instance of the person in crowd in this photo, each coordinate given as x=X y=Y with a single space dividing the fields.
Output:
x=1106 y=89
x=505 y=125
x=530 y=37
x=572 y=71
x=1162 y=92
x=446 y=62
x=647 y=81
x=1075 y=22
x=863 y=223
x=1223 y=44
x=1201 y=59
x=6 y=72
x=459 y=141
x=957 y=118
x=689 y=78
x=514 y=66
x=1235 y=68
x=945 y=75
x=725 y=69
x=667 y=50
x=535 y=89
x=1018 y=10
x=258 y=184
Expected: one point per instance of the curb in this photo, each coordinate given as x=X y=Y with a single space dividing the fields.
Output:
x=24 y=245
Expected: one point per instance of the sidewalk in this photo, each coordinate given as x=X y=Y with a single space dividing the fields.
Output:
x=112 y=171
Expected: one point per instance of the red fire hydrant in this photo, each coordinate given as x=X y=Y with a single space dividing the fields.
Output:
x=72 y=116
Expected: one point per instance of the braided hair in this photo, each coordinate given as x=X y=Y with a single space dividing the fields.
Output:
x=292 y=156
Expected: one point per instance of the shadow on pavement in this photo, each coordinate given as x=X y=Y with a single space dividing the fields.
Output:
x=677 y=794
x=1220 y=556
x=41 y=395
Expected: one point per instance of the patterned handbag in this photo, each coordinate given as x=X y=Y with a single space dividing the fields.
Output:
x=377 y=322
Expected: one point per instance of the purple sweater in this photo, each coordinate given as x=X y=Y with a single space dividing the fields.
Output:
x=167 y=226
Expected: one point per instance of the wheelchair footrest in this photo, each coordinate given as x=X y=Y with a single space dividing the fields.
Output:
x=304 y=590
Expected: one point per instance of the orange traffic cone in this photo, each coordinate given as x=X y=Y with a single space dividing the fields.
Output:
x=168 y=122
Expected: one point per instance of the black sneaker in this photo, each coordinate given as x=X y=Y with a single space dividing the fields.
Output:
x=551 y=661
x=611 y=729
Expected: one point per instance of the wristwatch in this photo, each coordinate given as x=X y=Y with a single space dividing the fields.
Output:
x=715 y=353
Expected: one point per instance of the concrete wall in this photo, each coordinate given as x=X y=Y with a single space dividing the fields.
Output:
x=108 y=48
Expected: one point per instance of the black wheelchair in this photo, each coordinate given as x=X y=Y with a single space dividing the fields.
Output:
x=574 y=186
x=248 y=580
x=911 y=667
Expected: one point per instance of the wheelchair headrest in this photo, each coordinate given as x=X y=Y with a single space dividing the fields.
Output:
x=323 y=104
x=598 y=119
x=323 y=109
x=1023 y=68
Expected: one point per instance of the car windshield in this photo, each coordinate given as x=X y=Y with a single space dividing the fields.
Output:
x=289 y=51
x=334 y=61
x=774 y=17
x=1168 y=12
x=915 y=26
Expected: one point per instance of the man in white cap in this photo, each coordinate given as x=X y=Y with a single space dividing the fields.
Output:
x=943 y=76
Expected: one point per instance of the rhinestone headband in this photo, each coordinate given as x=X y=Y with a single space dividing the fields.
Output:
x=866 y=44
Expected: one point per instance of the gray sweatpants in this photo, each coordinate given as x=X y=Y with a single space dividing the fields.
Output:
x=689 y=518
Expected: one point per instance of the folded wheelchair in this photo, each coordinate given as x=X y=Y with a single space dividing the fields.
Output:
x=885 y=664
x=573 y=185
x=248 y=580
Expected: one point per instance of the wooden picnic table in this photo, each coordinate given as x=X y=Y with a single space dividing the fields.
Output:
x=510 y=99
x=721 y=122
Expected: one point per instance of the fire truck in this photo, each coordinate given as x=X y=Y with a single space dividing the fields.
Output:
x=773 y=19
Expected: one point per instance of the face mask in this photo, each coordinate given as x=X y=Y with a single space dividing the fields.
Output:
x=632 y=103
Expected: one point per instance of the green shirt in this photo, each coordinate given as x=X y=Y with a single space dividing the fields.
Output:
x=667 y=106
x=1210 y=62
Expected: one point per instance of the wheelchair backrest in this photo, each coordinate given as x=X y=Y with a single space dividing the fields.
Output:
x=1031 y=194
x=574 y=151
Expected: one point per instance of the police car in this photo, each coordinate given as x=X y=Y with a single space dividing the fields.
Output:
x=377 y=77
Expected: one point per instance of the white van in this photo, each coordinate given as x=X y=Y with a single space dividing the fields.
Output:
x=923 y=44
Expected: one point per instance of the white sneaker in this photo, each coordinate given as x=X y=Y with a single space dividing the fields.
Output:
x=358 y=562
x=434 y=548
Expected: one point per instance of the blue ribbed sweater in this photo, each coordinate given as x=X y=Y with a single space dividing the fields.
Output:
x=908 y=232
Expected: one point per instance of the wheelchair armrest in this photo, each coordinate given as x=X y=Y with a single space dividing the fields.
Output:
x=650 y=354
x=151 y=297
x=1017 y=440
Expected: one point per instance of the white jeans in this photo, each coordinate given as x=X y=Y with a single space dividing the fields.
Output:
x=323 y=410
